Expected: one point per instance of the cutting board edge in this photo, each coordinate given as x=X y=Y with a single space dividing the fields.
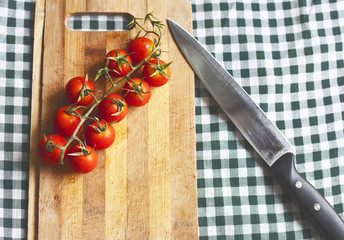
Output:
x=36 y=93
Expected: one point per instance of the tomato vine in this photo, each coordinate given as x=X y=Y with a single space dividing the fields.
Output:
x=118 y=64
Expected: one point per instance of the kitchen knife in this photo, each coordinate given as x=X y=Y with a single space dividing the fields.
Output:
x=260 y=132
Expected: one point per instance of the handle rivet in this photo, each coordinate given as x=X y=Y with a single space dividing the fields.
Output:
x=317 y=207
x=298 y=184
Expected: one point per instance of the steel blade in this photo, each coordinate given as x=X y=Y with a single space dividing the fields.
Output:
x=247 y=116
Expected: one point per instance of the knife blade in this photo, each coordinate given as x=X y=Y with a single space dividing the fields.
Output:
x=259 y=131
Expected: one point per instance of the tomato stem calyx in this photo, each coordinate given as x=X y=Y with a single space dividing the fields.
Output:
x=120 y=105
x=72 y=110
x=160 y=68
x=136 y=88
x=83 y=151
x=85 y=91
x=97 y=126
x=49 y=144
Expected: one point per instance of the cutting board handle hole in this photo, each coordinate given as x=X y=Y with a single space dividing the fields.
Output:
x=98 y=21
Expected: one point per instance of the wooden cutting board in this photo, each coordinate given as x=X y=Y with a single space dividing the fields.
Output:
x=144 y=186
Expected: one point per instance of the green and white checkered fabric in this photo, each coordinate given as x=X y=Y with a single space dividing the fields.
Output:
x=101 y=22
x=288 y=55
x=16 y=23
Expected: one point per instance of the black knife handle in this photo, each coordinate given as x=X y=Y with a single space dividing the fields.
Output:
x=319 y=212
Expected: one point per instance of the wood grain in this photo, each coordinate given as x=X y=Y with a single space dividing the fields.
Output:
x=144 y=186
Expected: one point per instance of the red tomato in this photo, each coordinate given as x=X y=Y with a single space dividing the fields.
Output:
x=113 y=108
x=124 y=68
x=82 y=160
x=156 y=73
x=77 y=93
x=65 y=122
x=100 y=137
x=47 y=152
x=141 y=47
x=137 y=92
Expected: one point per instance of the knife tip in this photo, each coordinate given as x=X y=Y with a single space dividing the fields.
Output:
x=171 y=23
x=169 y=20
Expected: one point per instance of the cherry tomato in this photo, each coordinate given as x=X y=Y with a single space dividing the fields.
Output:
x=47 y=152
x=117 y=71
x=65 y=121
x=77 y=93
x=100 y=136
x=141 y=47
x=156 y=72
x=137 y=92
x=113 y=108
x=82 y=160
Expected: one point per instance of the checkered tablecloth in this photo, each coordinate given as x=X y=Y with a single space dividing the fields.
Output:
x=288 y=55
x=16 y=26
